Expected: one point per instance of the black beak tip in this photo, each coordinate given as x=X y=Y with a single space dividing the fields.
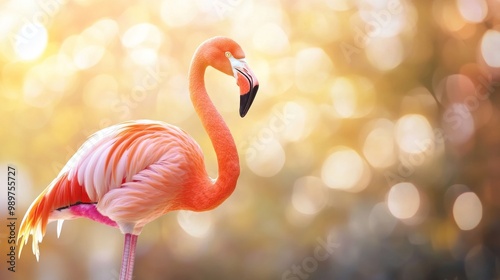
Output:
x=243 y=102
x=246 y=101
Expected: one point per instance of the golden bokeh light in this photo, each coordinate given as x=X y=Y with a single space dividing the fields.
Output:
x=344 y=169
x=143 y=41
x=196 y=224
x=45 y=84
x=447 y=14
x=268 y=158
x=467 y=211
x=273 y=40
x=313 y=67
x=344 y=97
x=296 y=120
x=403 y=200
x=379 y=147
x=489 y=47
x=413 y=134
x=30 y=41
x=377 y=49
x=352 y=97
x=473 y=10
x=89 y=47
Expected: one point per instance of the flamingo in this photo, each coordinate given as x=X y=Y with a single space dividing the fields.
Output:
x=130 y=174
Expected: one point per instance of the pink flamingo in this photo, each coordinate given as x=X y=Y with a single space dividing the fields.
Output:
x=129 y=174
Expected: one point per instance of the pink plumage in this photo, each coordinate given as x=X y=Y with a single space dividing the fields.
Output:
x=129 y=174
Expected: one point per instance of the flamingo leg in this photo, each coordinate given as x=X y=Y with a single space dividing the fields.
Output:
x=128 y=256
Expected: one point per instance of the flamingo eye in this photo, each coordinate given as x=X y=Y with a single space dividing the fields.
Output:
x=228 y=54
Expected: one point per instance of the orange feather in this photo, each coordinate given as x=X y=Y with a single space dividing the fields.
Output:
x=129 y=174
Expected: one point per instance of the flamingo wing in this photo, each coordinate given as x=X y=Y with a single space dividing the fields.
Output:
x=125 y=176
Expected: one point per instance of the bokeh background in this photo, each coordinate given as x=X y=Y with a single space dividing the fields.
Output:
x=372 y=150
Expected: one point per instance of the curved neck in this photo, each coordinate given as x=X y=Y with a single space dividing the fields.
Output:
x=212 y=194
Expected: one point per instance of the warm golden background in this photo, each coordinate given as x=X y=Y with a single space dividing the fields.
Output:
x=345 y=143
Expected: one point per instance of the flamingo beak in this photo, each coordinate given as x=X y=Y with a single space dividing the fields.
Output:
x=248 y=84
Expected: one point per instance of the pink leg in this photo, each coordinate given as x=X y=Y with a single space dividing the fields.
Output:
x=128 y=257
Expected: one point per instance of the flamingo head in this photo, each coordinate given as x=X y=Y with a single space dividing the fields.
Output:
x=228 y=57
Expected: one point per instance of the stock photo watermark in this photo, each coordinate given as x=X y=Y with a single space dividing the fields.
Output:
x=371 y=29
x=149 y=83
x=11 y=220
x=322 y=251
x=33 y=26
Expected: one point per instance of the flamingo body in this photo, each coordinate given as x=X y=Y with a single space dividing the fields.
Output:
x=126 y=176
x=129 y=174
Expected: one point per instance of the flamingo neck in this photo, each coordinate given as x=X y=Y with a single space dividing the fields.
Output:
x=213 y=193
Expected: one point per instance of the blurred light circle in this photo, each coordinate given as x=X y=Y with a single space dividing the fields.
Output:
x=196 y=224
x=343 y=94
x=378 y=147
x=177 y=13
x=458 y=88
x=447 y=14
x=473 y=10
x=90 y=46
x=30 y=41
x=143 y=41
x=309 y=195
x=385 y=53
x=142 y=33
x=313 y=67
x=88 y=56
x=386 y=18
x=294 y=121
x=414 y=134
x=283 y=69
x=343 y=169
x=271 y=39
x=265 y=155
x=467 y=211
x=489 y=47
x=403 y=200
x=352 y=97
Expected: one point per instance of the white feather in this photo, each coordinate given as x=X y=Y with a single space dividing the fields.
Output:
x=59 y=227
